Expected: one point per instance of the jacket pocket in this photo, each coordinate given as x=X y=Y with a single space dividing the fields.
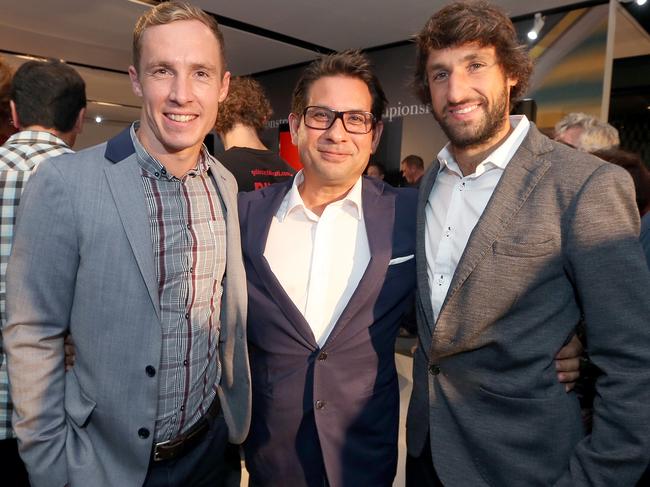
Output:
x=78 y=406
x=524 y=249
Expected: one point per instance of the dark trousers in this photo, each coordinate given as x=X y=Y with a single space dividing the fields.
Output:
x=420 y=471
x=13 y=472
x=202 y=466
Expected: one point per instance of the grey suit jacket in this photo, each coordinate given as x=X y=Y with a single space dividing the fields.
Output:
x=83 y=261
x=558 y=241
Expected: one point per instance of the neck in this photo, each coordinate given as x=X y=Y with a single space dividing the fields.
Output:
x=176 y=163
x=316 y=197
x=468 y=158
x=67 y=137
x=242 y=136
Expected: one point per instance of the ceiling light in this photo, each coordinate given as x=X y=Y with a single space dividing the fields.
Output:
x=98 y=119
x=538 y=25
x=641 y=2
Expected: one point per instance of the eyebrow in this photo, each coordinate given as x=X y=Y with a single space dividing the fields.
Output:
x=166 y=64
x=469 y=57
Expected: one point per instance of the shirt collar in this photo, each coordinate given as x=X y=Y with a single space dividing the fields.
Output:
x=154 y=168
x=497 y=159
x=31 y=137
x=293 y=200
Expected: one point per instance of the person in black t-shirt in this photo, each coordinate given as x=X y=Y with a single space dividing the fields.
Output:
x=242 y=115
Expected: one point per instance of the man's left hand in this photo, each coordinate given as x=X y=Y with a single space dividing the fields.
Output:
x=567 y=363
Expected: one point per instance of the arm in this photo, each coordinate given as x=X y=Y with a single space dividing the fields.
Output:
x=40 y=284
x=605 y=264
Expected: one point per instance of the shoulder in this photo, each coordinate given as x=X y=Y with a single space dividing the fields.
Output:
x=266 y=193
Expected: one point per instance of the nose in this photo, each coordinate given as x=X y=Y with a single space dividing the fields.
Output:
x=337 y=132
x=456 y=86
x=181 y=90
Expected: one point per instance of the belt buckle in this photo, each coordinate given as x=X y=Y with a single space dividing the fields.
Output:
x=168 y=443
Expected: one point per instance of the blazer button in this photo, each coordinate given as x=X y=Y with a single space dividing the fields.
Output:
x=151 y=371
x=320 y=404
x=322 y=356
x=143 y=433
x=434 y=369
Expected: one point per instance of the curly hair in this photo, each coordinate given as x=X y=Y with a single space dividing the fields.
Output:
x=350 y=63
x=246 y=104
x=473 y=22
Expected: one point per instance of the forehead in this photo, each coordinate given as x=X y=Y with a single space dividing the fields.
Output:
x=461 y=53
x=181 y=39
x=340 y=93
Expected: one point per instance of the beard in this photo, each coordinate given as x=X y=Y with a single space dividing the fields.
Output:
x=465 y=135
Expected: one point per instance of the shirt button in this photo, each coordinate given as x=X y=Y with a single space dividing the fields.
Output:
x=185 y=363
x=322 y=356
x=163 y=170
x=182 y=408
x=434 y=369
x=191 y=270
x=156 y=174
x=187 y=316
x=150 y=370
x=143 y=433
x=189 y=226
x=320 y=404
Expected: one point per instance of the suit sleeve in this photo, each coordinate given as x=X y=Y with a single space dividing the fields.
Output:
x=40 y=286
x=611 y=282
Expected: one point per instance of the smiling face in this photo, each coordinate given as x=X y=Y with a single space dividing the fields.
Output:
x=333 y=157
x=181 y=83
x=470 y=95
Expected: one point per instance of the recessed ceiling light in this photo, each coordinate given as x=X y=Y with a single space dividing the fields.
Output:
x=98 y=119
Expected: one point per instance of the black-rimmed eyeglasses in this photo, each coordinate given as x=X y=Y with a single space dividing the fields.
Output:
x=322 y=118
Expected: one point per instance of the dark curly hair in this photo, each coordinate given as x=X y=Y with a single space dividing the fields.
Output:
x=246 y=104
x=473 y=22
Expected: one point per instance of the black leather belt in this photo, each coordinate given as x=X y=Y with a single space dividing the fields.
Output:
x=166 y=450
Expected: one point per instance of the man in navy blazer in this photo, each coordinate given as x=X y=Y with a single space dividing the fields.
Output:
x=321 y=343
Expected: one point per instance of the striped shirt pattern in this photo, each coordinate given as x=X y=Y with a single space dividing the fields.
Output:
x=19 y=156
x=188 y=234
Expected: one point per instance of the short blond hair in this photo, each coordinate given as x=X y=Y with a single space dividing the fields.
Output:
x=168 y=12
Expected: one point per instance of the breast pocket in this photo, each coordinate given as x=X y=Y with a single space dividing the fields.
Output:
x=525 y=249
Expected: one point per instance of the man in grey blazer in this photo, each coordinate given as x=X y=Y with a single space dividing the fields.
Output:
x=127 y=246
x=519 y=237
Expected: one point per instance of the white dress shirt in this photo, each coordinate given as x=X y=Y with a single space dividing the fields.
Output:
x=456 y=203
x=319 y=261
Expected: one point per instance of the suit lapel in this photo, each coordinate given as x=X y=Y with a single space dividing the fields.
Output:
x=423 y=290
x=125 y=183
x=259 y=216
x=379 y=218
x=520 y=177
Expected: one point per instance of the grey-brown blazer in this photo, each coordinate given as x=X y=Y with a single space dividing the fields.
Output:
x=557 y=241
x=83 y=261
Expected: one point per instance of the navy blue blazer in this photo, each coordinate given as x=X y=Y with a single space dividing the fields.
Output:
x=332 y=410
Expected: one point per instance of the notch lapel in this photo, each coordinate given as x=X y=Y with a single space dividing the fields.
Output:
x=124 y=181
x=519 y=179
x=379 y=218
x=423 y=290
x=259 y=216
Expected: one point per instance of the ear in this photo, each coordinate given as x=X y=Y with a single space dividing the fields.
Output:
x=79 y=123
x=15 y=120
x=294 y=124
x=225 y=84
x=376 y=135
x=135 y=81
